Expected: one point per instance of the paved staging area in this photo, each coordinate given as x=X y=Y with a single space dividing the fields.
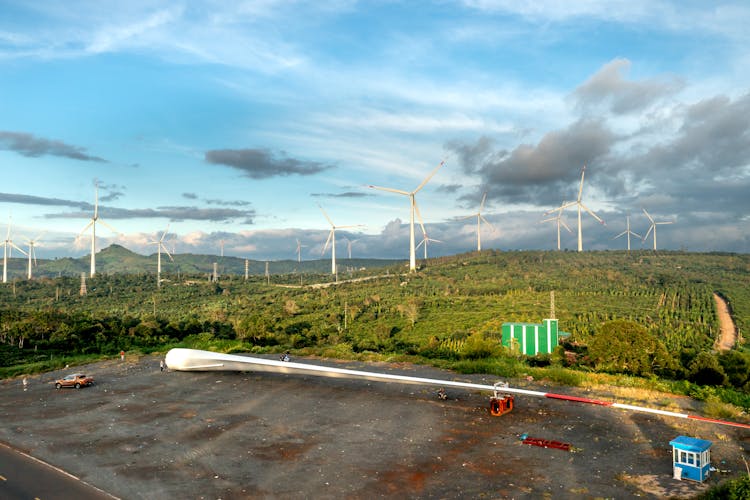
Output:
x=141 y=433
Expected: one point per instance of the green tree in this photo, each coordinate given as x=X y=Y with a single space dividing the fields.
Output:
x=706 y=370
x=736 y=365
x=627 y=347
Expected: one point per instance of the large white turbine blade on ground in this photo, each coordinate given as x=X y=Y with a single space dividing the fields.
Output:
x=181 y=359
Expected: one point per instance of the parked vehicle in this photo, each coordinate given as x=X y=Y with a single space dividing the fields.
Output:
x=76 y=380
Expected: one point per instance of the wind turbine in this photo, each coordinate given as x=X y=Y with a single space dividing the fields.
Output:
x=653 y=227
x=559 y=221
x=628 y=232
x=8 y=247
x=332 y=239
x=425 y=238
x=159 y=247
x=92 y=224
x=299 y=251
x=413 y=204
x=578 y=203
x=480 y=218
x=349 y=244
x=425 y=241
x=32 y=253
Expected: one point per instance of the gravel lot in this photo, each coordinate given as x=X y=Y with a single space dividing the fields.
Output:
x=141 y=433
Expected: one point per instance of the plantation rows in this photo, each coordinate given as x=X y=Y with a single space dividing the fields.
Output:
x=452 y=308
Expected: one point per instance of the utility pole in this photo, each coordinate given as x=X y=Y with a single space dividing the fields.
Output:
x=83 y=291
x=552 y=304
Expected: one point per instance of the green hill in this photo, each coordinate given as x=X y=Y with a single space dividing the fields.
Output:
x=116 y=259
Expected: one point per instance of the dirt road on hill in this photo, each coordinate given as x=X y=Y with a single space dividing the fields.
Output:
x=139 y=433
x=728 y=337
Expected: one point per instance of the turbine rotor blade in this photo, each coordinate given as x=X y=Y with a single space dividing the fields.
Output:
x=18 y=248
x=108 y=226
x=587 y=209
x=85 y=228
x=391 y=190
x=580 y=190
x=328 y=240
x=164 y=249
x=481 y=205
x=429 y=176
x=326 y=216
x=487 y=222
x=165 y=234
x=649 y=216
x=419 y=217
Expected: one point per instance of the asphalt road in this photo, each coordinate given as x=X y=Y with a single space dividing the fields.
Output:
x=23 y=477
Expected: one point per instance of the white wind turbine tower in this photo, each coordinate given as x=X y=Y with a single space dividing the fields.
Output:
x=159 y=247
x=653 y=227
x=92 y=224
x=413 y=204
x=32 y=253
x=559 y=221
x=579 y=204
x=332 y=239
x=480 y=218
x=8 y=247
x=628 y=232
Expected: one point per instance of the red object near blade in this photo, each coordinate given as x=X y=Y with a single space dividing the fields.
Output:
x=547 y=443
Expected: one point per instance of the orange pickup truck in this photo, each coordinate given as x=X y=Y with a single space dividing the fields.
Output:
x=76 y=380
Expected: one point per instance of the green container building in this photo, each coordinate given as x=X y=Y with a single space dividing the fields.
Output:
x=531 y=338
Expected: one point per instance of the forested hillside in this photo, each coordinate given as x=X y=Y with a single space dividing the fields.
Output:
x=116 y=259
x=641 y=313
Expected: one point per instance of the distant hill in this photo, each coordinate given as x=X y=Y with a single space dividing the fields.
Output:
x=116 y=259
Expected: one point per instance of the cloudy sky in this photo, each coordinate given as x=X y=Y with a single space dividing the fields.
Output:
x=235 y=121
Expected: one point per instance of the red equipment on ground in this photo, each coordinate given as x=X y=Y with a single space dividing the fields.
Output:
x=545 y=443
x=500 y=404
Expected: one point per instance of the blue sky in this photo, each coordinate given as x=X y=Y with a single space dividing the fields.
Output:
x=234 y=122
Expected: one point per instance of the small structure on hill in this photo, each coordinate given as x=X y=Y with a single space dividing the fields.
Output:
x=691 y=458
x=532 y=338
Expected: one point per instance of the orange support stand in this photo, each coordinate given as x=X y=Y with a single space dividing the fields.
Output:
x=501 y=405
